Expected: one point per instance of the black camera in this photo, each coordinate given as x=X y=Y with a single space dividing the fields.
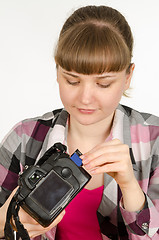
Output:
x=47 y=188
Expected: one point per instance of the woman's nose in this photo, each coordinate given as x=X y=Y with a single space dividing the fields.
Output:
x=86 y=95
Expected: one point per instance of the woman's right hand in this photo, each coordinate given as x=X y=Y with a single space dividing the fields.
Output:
x=3 y=212
x=33 y=227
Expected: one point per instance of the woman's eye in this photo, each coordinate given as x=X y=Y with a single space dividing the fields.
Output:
x=72 y=82
x=103 y=85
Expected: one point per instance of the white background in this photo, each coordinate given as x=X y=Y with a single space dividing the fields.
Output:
x=28 y=33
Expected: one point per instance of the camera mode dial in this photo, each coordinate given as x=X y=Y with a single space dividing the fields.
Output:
x=66 y=172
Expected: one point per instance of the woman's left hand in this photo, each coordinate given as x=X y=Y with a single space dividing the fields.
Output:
x=113 y=158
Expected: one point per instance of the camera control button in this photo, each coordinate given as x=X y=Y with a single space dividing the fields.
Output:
x=66 y=172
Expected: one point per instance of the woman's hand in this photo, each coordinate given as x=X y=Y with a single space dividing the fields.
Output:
x=114 y=159
x=3 y=213
x=34 y=228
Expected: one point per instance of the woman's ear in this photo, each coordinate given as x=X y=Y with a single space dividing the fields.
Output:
x=129 y=75
x=57 y=73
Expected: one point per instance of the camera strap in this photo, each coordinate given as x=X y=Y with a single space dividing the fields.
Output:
x=9 y=230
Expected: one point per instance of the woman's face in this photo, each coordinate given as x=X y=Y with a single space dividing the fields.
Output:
x=90 y=99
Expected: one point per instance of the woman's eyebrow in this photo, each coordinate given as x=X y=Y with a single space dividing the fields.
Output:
x=105 y=76
x=71 y=74
x=98 y=77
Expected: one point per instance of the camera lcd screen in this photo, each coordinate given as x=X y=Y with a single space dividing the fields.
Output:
x=50 y=191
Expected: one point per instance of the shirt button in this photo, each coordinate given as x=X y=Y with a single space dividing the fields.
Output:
x=145 y=226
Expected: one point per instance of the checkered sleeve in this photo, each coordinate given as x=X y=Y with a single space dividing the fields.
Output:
x=145 y=224
x=9 y=163
x=21 y=146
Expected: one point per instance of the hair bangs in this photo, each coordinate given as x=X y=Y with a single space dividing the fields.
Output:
x=92 y=49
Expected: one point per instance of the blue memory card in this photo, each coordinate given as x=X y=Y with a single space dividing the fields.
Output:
x=76 y=159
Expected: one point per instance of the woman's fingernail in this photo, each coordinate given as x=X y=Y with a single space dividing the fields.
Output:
x=87 y=166
x=85 y=161
x=93 y=171
x=82 y=156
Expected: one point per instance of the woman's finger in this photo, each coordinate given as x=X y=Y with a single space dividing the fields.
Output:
x=107 y=147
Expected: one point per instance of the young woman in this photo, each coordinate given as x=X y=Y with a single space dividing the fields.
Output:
x=119 y=145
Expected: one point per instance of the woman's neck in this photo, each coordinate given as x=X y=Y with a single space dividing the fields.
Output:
x=89 y=135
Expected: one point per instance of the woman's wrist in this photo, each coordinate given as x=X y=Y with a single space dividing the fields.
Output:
x=1 y=234
x=133 y=197
x=2 y=221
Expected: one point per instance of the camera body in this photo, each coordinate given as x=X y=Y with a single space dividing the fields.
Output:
x=47 y=188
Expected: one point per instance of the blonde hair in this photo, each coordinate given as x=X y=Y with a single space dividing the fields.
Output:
x=93 y=40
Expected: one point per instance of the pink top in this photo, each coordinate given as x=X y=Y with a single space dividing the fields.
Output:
x=80 y=220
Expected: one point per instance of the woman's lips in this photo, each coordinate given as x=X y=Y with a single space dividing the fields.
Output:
x=86 y=111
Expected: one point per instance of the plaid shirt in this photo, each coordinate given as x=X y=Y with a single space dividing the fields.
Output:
x=29 y=139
